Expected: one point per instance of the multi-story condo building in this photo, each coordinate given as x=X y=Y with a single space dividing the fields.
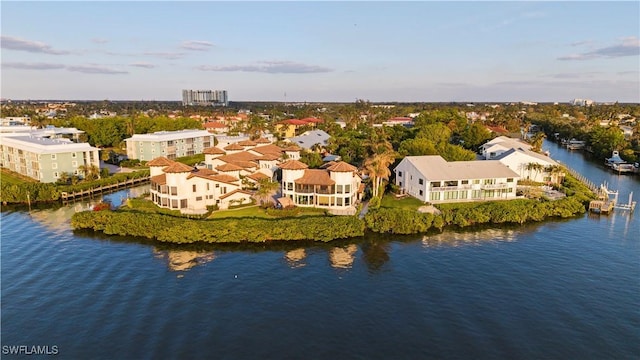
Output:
x=46 y=159
x=205 y=97
x=336 y=187
x=432 y=179
x=170 y=144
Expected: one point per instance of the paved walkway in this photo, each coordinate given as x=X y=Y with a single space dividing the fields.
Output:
x=114 y=169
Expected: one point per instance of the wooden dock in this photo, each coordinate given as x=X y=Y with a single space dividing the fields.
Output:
x=608 y=200
x=66 y=196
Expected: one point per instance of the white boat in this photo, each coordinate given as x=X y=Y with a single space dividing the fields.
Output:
x=615 y=159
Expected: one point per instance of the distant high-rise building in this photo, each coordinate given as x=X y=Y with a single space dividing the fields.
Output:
x=205 y=97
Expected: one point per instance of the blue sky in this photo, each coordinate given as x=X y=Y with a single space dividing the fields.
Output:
x=322 y=51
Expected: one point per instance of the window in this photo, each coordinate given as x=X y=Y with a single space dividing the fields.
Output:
x=465 y=182
x=434 y=196
x=224 y=190
x=463 y=194
x=73 y=155
x=174 y=204
x=399 y=173
x=338 y=189
x=53 y=156
x=54 y=165
x=207 y=186
x=198 y=198
x=174 y=190
x=217 y=185
x=476 y=182
x=141 y=150
x=347 y=189
x=56 y=175
x=420 y=182
x=74 y=163
x=194 y=187
x=475 y=194
x=435 y=184
x=511 y=180
x=421 y=193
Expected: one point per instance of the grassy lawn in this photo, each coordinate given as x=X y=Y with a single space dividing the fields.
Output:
x=11 y=177
x=408 y=203
x=253 y=211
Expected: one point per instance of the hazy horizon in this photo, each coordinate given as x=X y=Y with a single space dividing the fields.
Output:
x=480 y=52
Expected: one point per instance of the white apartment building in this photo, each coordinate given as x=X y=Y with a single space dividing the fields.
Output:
x=170 y=144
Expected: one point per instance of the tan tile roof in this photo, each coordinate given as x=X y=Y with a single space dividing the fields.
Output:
x=177 y=167
x=268 y=149
x=235 y=192
x=202 y=173
x=228 y=167
x=257 y=176
x=244 y=164
x=292 y=148
x=159 y=179
x=241 y=156
x=262 y=141
x=269 y=157
x=247 y=143
x=224 y=178
x=342 y=166
x=315 y=177
x=234 y=146
x=213 y=151
x=160 y=161
x=293 y=165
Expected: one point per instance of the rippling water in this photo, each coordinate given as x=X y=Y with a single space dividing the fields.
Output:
x=557 y=290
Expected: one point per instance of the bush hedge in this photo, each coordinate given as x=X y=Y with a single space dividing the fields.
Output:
x=178 y=230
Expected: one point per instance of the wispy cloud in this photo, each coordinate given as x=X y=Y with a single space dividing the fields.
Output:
x=165 y=55
x=141 y=64
x=270 y=67
x=33 y=66
x=578 y=75
x=14 y=43
x=630 y=46
x=581 y=43
x=99 y=41
x=197 y=45
x=95 y=69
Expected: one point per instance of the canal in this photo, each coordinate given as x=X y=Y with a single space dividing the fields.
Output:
x=555 y=290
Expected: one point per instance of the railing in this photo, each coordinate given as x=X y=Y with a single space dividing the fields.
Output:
x=447 y=188
x=495 y=186
x=582 y=179
x=65 y=196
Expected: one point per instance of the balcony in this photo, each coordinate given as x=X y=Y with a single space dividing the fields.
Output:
x=495 y=186
x=450 y=188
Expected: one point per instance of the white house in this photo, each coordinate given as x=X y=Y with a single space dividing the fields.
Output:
x=432 y=179
x=493 y=148
x=181 y=187
x=310 y=138
x=170 y=144
x=530 y=165
x=336 y=187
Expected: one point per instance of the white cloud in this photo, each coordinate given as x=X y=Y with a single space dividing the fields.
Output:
x=33 y=66
x=271 y=67
x=197 y=45
x=13 y=43
x=142 y=64
x=95 y=69
x=629 y=46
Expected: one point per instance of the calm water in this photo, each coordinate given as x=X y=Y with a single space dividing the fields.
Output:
x=558 y=290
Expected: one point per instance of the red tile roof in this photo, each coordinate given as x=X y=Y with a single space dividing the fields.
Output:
x=177 y=167
x=293 y=165
x=213 y=151
x=160 y=161
x=294 y=122
x=315 y=177
x=257 y=176
x=228 y=167
x=234 y=146
x=247 y=143
x=159 y=179
x=224 y=178
x=342 y=166
x=262 y=141
x=235 y=192
x=214 y=125
x=312 y=120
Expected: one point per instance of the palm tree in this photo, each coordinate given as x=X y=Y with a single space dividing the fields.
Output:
x=91 y=172
x=377 y=166
x=64 y=178
x=536 y=142
x=266 y=189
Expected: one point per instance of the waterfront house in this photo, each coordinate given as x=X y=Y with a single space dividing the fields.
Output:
x=432 y=179
x=337 y=187
x=531 y=165
x=493 y=148
x=171 y=144
x=181 y=187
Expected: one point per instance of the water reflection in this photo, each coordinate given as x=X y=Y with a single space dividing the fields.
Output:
x=343 y=257
x=461 y=238
x=182 y=260
x=375 y=254
x=295 y=258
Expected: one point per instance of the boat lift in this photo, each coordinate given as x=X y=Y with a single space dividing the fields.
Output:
x=608 y=200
